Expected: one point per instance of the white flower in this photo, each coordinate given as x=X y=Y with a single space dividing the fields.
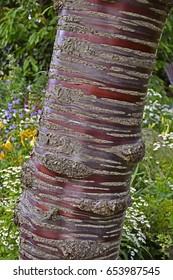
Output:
x=11 y=247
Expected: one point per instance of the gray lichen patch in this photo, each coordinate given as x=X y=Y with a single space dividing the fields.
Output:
x=27 y=177
x=70 y=249
x=63 y=144
x=65 y=166
x=65 y=95
x=77 y=46
x=86 y=249
x=105 y=207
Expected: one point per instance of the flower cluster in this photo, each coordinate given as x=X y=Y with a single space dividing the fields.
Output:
x=156 y=111
x=165 y=140
x=18 y=128
x=19 y=116
x=10 y=188
x=133 y=237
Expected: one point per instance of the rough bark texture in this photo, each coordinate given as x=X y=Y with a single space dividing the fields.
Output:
x=76 y=183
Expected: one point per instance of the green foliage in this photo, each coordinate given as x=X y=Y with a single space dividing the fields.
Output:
x=158 y=112
x=165 y=53
x=154 y=183
x=19 y=116
x=27 y=30
x=133 y=244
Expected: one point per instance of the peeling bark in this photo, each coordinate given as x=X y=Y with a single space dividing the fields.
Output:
x=76 y=182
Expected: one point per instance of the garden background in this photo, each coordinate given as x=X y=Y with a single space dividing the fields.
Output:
x=27 y=32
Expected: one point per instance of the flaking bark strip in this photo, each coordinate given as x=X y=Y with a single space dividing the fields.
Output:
x=27 y=175
x=63 y=144
x=77 y=249
x=65 y=166
x=105 y=207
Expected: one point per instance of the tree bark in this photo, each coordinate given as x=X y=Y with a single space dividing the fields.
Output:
x=76 y=182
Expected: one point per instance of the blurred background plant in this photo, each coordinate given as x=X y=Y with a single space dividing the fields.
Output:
x=27 y=31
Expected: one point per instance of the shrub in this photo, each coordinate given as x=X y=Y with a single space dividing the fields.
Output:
x=154 y=183
x=27 y=31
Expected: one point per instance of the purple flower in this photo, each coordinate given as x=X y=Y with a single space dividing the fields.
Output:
x=26 y=126
x=10 y=107
x=28 y=87
x=7 y=82
x=17 y=101
x=12 y=127
x=6 y=112
x=33 y=114
x=21 y=116
x=9 y=117
x=26 y=106
x=39 y=112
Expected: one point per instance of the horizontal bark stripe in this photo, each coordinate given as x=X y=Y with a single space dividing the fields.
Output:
x=127 y=44
x=117 y=8
x=99 y=178
x=53 y=234
x=114 y=75
x=99 y=134
x=118 y=23
x=115 y=66
x=91 y=121
x=102 y=145
x=98 y=91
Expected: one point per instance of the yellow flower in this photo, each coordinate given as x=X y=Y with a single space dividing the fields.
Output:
x=1 y=124
x=20 y=159
x=7 y=146
x=2 y=156
x=32 y=142
x=27 y=134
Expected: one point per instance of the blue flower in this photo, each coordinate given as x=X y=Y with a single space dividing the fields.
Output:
x=21 y=116
x=33 y=114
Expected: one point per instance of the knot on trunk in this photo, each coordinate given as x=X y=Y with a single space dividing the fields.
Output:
x=131 y=153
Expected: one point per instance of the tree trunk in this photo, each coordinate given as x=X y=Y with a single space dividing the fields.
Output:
x=76 y=182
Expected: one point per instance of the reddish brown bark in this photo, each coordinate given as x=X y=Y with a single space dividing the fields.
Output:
x=76 y=183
